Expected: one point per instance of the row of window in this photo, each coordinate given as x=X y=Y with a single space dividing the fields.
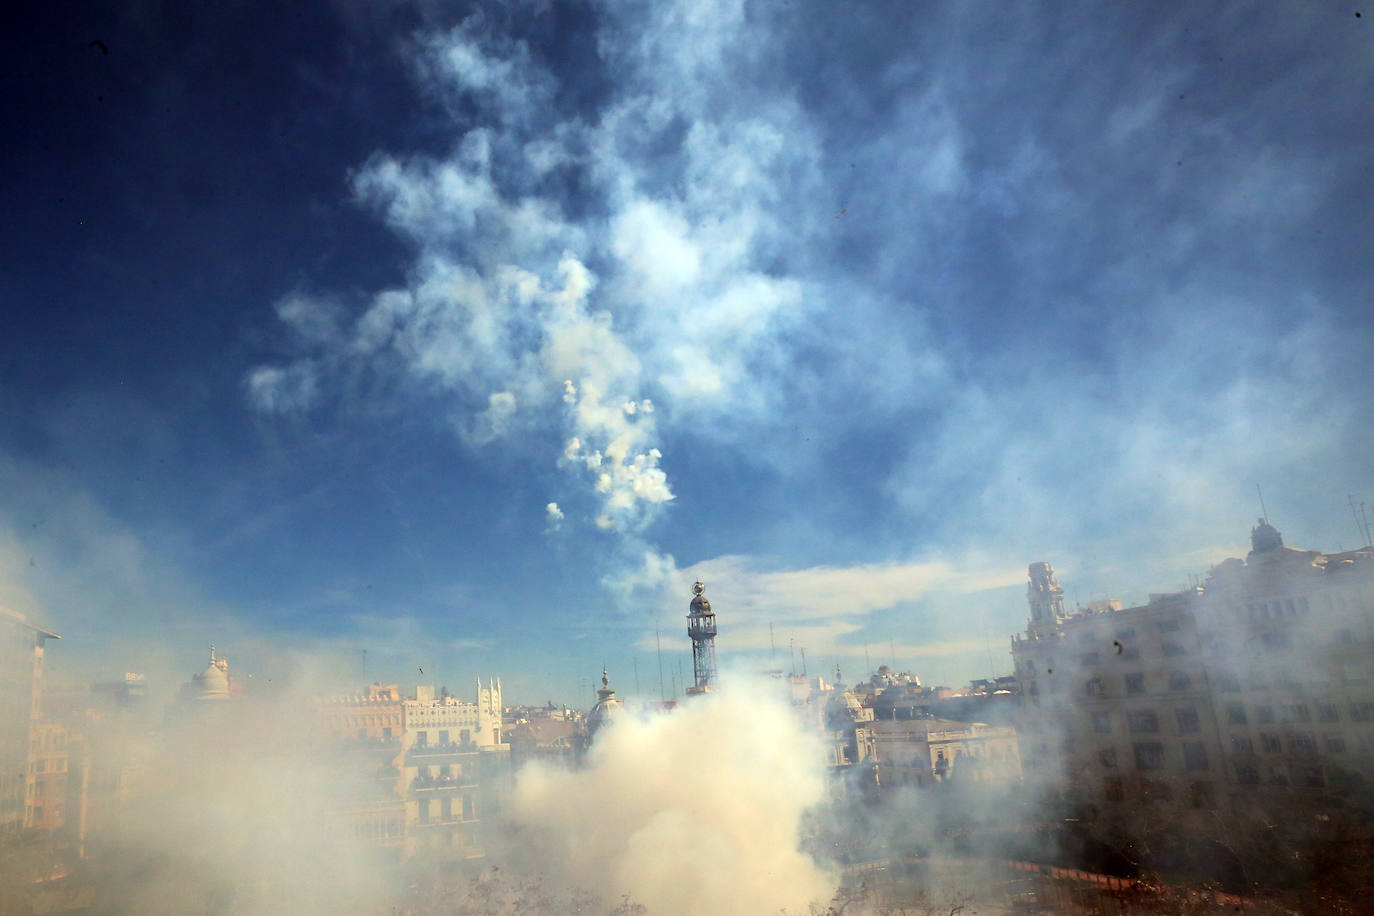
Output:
x=1300 y=743
x=1201 y=794
x=1311 y=777
x=1264 y=713
x=1135 y=684
x=1150 y=755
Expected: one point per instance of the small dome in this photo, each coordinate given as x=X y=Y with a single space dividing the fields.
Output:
x=699 y=603
x=607 y=708
x=1264 y=537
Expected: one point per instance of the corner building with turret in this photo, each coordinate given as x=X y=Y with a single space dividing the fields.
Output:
x=1246 y=700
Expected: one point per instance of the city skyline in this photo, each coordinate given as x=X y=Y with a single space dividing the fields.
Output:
x=472 y=338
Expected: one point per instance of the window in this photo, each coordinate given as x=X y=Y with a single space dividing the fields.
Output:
x=1095 y=687
x=1247 y=774
x=1187 y=720
x=1264 y=714
x=1335 y=744
x=1297 y=712
x=1178 y=680
x=1235 y=714
x=1149 y=755
x=1303 y=743
x=1142 y=721
x=1271 y=744
x=1107 y=757
x=1312 y=777
x=1241 y=744
x=1135 y=685
x=1328 y=712
x=1228 y=683
x=1131 y=654
x=1102 y=723
x=1194 y=756
x=1172 y=649
x=1362 y=712
x=1169 y=626
x=1275 y=640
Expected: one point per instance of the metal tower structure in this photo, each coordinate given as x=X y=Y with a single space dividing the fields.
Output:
x=701 y=627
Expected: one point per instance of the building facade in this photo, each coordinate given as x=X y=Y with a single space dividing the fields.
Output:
x=1247 y=699
x=21 y=677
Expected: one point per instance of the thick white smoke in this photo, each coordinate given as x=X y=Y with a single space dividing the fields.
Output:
x=694 y=812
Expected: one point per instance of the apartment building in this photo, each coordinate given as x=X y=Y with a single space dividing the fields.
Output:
x=1252 y=692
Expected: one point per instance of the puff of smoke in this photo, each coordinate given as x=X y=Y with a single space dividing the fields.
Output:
x=230 y=809
x=693 y=812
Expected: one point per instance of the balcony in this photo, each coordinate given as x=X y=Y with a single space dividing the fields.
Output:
x=440 y=749
x=434 y=785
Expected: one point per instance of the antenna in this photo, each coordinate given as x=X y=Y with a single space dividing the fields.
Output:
x=1367 y=539
x=1364 y=531
x=663 y=697
x=803 y=648
x=1264 y=513
x=792 y=647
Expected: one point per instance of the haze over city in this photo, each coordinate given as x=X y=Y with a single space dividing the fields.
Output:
x=388 y=348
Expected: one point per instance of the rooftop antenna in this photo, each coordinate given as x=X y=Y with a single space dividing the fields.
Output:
x=803 y=648
x=792 y=647
x=1364 y=532
x=1263 y=511
x=663 y=697
x=1365 y=519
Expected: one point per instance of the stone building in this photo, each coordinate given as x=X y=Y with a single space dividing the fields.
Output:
x=1249 y=696
x=923 y=752
x=362 y=733
x=454 y=768
x=21 y=676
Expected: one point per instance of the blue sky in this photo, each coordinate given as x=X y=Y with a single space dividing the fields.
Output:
x=471 y=334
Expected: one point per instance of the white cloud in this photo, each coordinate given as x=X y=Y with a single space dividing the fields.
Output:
x=274 y=389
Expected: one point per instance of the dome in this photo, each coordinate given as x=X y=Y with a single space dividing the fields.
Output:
x=213 y=682
x=607 y=708
x=1265 y=537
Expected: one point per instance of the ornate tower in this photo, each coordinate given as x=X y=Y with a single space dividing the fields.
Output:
x=701 y=627
x=1044 y=595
